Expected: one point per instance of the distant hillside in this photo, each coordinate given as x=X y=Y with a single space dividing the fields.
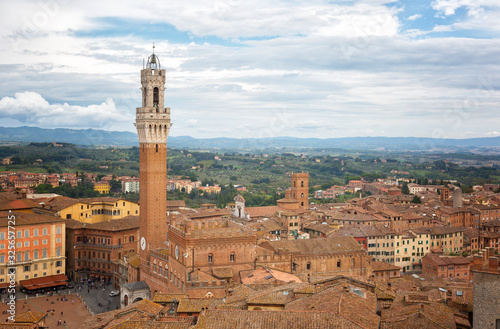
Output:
x=101 y=137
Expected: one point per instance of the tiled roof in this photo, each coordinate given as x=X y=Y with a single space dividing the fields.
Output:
x=315 y=246
x=120 y=224
x=28 y=219
x=241 y=319
x=339 y=299
x=167 y=298
x=147 y=324
x=383 y=266
x=134 y=311
x=267 y=275
x=266 y=211
x=436 y=230
x=30 y=317
x=133 y=259
x=279 y=295
x=238 y=294
x=17 y=204
x=125 y=223
x=447 y=260
x=421 y=315
x=322 y=228
x=222 y=272
x=195 y=305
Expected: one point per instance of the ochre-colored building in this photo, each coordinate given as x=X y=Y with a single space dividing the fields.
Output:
x=90 y=210
x=39 y=245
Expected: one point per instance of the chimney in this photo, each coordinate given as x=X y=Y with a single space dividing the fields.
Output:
x=477 y=262
x=491 y=251
x=493 y=264
x=484 y=253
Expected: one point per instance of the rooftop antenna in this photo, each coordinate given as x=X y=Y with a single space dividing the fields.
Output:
x=153 y=48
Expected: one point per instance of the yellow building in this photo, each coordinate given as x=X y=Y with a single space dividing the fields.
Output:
x=91 y=210
x=102 y=188
x=40 y=246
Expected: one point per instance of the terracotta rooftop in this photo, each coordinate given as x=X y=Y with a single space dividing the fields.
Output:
x=341 y=299
x=17 y=204
x=435 y=230
x=267 y=211
x=196 y=305
x=421 y=315
x=266 y=275
x=121 y=224
x=447 y=260
x=242 y=319
x=30 y=317
x=167 y=298
x=28 y=219
x=314 y=246
x=383 y=266
x=134 y=311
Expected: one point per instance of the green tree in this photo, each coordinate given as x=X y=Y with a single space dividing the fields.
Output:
x=405 y=189
x=416 y=199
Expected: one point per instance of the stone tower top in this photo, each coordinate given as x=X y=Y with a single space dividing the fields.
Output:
x=153 y=119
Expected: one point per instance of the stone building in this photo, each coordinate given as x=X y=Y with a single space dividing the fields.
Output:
x=94 y=249
x=315 y=257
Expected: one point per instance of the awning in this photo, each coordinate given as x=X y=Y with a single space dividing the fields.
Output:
x=44 y=282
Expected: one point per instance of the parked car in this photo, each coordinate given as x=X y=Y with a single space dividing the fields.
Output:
x=114 y=293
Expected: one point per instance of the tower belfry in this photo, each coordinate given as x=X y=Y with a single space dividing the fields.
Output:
x=153 y=125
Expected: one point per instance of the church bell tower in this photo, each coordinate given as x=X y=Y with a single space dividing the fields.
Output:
x=153 y=125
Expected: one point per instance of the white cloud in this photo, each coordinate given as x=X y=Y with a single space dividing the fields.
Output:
x=31 y=108
x=414 y=17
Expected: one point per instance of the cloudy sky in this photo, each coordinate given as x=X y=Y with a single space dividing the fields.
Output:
x=262 y=68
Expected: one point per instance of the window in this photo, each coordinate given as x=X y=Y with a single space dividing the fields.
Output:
x=131 y=239
x=44 y=253
x=58 y=251
x=44 y=241
x=44 y=231
x=2 y=236
x=35 y=243
x=59 y=230
x=58 y=263
x=35 y=254
x=19 y=234
x=58 y=240
x=26 y=233
x=338 y=264
x=26 y=243
x=2 y=259
x=308 y=266
x=210 y=258
x=232 y=257
x=26 y=256
x=26 y=268
x=19 y=257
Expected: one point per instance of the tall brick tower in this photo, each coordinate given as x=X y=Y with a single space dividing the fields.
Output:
x=300 y=189
x=153 y=125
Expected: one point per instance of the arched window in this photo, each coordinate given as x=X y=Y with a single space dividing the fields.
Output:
x=232 y=257
x=156 y=148
x=294 y=184
x=156 y=98
x=301 y=183
x=302 y=195
x=210 y=258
